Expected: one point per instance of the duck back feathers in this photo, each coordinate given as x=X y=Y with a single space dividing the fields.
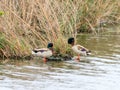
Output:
x=81 y=50
x=43 y=52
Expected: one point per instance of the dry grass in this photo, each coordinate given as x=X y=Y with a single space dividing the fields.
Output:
x=28 y=24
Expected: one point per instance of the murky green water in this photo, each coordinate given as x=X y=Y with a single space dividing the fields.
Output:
x=100 y=71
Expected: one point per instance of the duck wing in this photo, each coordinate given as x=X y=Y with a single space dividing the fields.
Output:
x=83 y=49
x=40 y=50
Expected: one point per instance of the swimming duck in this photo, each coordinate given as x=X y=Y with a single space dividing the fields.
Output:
x=44 y=52
x=78 y=49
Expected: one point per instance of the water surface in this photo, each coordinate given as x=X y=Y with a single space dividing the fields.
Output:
x=100 y=71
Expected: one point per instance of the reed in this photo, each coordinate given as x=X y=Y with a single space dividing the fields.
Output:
x=28 y=24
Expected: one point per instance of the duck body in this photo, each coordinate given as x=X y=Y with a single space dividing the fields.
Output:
x=43 y=52
x=78 y=49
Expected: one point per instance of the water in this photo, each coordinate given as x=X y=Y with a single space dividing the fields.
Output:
x=100 y=71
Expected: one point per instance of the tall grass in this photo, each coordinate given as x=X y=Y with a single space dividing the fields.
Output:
x=28 y=24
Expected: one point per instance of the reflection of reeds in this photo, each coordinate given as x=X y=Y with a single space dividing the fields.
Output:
x=28 y=24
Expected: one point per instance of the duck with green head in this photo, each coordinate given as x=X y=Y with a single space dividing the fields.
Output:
x=78 y=49
x=44 y=52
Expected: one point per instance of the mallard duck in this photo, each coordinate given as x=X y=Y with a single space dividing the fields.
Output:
x=78 y=49
x=44 y=52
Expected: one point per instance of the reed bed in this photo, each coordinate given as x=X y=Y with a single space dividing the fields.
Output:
x=28 y=24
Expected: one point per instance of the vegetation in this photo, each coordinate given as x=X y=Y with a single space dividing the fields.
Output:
x=28 y=24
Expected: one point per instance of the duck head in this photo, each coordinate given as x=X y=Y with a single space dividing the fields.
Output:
x=71 y=41
x=50 y=46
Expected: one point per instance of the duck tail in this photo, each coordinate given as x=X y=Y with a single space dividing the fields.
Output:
x=88 y=52
x=33 y=53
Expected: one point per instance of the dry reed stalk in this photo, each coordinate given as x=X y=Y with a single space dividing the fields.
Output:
x=34 y=23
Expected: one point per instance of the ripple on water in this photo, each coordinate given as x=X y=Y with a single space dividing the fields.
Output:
x=100 y=71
